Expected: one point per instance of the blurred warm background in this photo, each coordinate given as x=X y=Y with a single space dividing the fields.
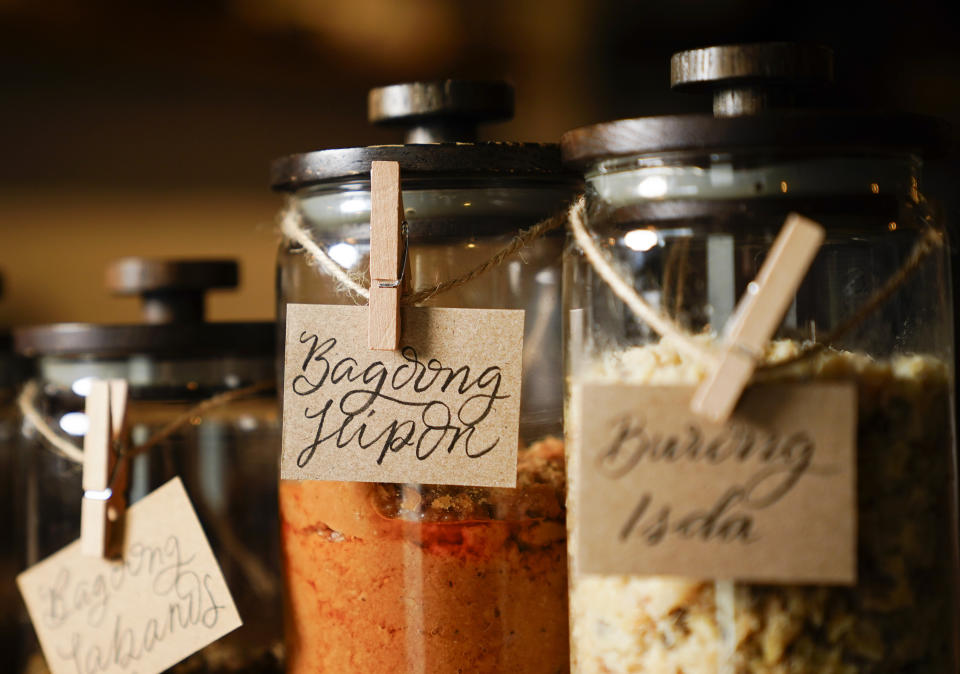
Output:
x=147 y=127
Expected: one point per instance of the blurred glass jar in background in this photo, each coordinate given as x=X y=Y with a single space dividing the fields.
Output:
x=13 y=371
x=226 y=458
x=687 y=207
x=435 y=578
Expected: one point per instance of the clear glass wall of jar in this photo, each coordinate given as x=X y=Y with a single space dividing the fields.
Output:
x=691 y=229
x=432 y=578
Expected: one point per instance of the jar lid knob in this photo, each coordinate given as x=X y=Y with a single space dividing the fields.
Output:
x=173 y=291
x=749 y=78
x=445 y=111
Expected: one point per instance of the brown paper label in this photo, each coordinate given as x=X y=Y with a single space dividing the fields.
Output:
x=769 y=496
x=443 y=409
x=165 y=599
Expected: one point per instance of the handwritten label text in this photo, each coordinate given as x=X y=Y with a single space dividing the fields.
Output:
x=767 y=496
x=444 y=408
x=164 y=600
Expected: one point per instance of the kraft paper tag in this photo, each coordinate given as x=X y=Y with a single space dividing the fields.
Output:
x=165 y=600
x=443 y=409
x=769 y=496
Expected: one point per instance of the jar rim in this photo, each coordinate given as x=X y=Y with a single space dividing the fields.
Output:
x=496 y=159
x=185 y=339
x=584 y=146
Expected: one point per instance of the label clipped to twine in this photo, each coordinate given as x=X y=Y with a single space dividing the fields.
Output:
x=403 y=424
x=165 y=599
x=261 y=579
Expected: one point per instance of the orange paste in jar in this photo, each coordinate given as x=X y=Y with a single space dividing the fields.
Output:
x=425 y=578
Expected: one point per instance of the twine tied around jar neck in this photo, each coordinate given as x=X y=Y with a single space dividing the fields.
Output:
x=262 y=580
x=293 y=228
x=69 y=451
x=929 y=240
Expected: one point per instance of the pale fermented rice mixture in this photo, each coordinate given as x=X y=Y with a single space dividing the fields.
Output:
x=900 y=615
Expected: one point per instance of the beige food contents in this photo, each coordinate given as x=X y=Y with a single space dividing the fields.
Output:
x=900 y=615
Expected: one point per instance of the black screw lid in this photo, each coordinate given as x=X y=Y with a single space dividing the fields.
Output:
x=446 y=111
x=761 y=100
x=748 y=78
x=172 y=290
x=440 y=120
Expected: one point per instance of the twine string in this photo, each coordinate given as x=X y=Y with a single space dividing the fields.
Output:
x=195 y=412
x=71 y=452
x=291 y=225
x=623 y=289
x=294 y=229
x=60 y=445
x=930 y=239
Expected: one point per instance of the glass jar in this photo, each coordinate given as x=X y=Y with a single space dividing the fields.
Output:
x=10 y=559
x=225 y=455
x=436 y=578
x=688 y=215
x=13 y=370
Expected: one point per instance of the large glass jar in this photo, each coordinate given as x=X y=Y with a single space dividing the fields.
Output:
x=687 y=208
x=225 y=455
x=435 y=578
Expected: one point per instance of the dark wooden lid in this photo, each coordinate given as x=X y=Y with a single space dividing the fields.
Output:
x=173 y=299
x=440 y=121
x=440 y=111
x=791 y=63
x=443 y=160
x=137 y=275
x=795 y=129
x=170 y=340
x=765 y=95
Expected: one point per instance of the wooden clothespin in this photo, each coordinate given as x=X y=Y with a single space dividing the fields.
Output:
x=104 y=471
x=386 y=267
x=757 y=316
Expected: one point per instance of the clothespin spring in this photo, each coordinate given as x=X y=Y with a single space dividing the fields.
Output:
x=405 y=231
